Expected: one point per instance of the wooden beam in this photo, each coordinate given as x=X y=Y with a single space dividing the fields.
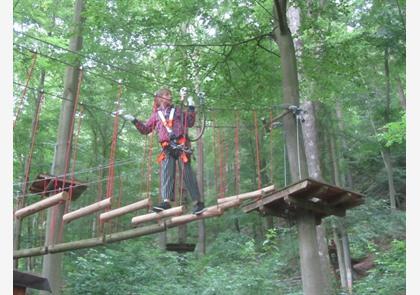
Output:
x=277 y=195
x=38 y=206
x=87 y=210
x=124 y=210
x=210 y=212
x=229 y=204
x=340 y=198
x=249 y=195
x=89 y=243
x=156 y=216
x=318 y=207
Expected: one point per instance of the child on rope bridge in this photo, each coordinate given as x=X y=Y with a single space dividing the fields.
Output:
x=170 y=123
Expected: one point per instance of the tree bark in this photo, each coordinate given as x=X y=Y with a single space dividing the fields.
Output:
x=52 y=262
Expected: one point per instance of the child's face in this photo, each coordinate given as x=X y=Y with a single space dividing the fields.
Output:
x=166 y=99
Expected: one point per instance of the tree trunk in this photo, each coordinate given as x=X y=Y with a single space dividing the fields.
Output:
x=386 y=157
x=308 y=247
x=52 y=262
x=344 y=146
x=401 y=93
x=341 y=240
x=340 y=258
x=310 y=137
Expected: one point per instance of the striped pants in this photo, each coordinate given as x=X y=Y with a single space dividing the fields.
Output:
x=167 y=177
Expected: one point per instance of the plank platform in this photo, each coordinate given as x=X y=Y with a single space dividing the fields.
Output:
x=180 y=248
x=45 y=183
x=308 y=194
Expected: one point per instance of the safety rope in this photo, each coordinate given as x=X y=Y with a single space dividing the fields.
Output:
x=110 y=184
x=257 y=150
x=34 y=132
x=215 y=159
x=70 y=134
x=149 y=168
x=25 y=89
x=271 y=149
x=72 y=180
x=221 y=164
x=237 y=158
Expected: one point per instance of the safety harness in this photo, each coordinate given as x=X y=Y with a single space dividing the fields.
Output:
x=176 y=145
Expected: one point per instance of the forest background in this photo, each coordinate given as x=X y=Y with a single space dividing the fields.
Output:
x=248 y=71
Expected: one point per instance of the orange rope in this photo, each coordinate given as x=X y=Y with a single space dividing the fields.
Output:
x=237 y=163
x=31 y=149
x=70 y=135
x=28 y=78
x=221 y=164
x=257 y=150
x=110 y=183
x=149 y=167
x=271 y=149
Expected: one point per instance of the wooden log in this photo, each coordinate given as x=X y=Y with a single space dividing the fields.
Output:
x=156 y=216
x=210 y=212
x=229 y=204
x=87 y=210
x=89 y=243
x=124 y=210
x=248 y=195
x=38 y=206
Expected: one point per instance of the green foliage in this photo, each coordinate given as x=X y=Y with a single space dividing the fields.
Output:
x=394 y=132
x=388 y=275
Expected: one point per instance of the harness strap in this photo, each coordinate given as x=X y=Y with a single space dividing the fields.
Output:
x=168 y=124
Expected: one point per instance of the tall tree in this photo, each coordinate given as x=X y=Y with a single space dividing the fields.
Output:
x=52 y=264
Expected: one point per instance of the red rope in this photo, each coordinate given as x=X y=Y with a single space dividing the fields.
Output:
x=215 y=159
x=237 y=163
x=28 y=78
x=143 y=167
x=68 y=203
x=221 y=164
x=149 y=167
x=271 y=149
x=99 y=197
x=31 y=148
x=257 y=150
x=185 y=133
x=110 y=183
x=70 y=135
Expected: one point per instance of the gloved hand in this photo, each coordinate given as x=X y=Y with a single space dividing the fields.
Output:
x=128 y=117
x=183 y=92
x=190 y=101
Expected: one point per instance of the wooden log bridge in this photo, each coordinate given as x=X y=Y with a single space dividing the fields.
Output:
x=126 y=209
x=38 y=206
x=87 y=210
x=250 y=195
x=308 y=194
x=158 y=216
x=99 y=241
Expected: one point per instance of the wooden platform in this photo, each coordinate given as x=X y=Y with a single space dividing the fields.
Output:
x=321 y=198
x=180 y=248
x=45 y=184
